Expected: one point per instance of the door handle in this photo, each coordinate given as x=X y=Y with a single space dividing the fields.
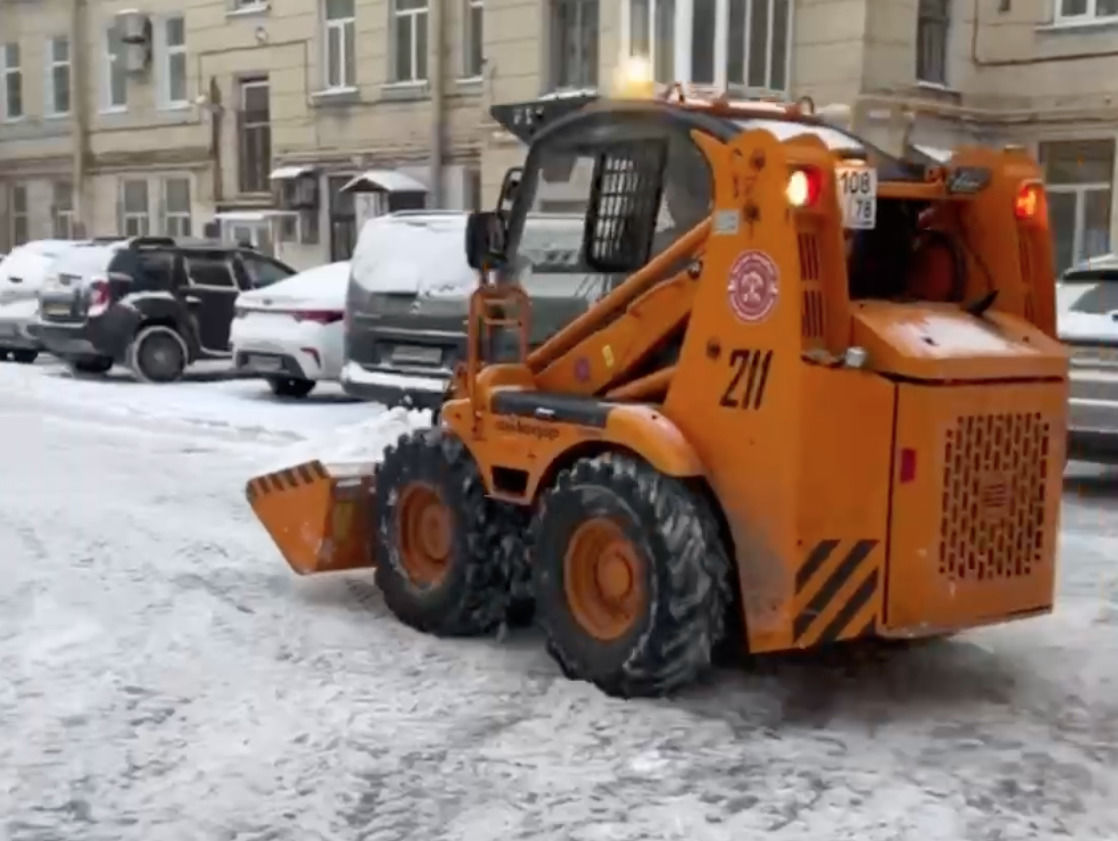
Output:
x=192 y=299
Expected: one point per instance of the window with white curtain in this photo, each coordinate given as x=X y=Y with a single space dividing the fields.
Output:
x=11 y=94
x=135 y=214
x=1079 y=179
x=340 y=44
x=115 y=96
x=1075 y=11
x=409 y=40
x=58 y=76
x=174 y=87
x=473 y=53
x=21 y=228
x=652 y=36
x=176 y=207
x=62 y=210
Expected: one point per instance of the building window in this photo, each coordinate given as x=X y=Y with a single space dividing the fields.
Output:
x=409 y=26
x=20 y=227
x=11 y=95
x=176 y=207
x=1081 y=10
x=58 y=76
x=255 y=136
x=62 y=210
x=652 y=36
x=931 y=41
x=756 y=44
x=134 y=203
x=116 y=79
x=574 y=43
x=174 y=63
x=1079 y=177
x=473 y=52
x=343 y=218
x=341 y=60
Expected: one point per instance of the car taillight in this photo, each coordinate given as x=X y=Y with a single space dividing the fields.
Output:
x=1030 y=199
x=804 y=187
x=318 y=316
x=100 y=296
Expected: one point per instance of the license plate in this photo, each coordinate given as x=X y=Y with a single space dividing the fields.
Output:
x=857 y=186
x=265 y=363
x=417 y=354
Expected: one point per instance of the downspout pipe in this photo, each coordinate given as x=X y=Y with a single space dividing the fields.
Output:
x=437 y=76
x=79 y=129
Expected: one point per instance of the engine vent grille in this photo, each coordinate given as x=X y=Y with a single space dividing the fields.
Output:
x=994 y=496
x=813 y=320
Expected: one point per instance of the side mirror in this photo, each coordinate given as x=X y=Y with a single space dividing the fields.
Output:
x=485 y=239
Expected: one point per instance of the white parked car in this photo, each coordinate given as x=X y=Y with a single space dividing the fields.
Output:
x=21 y=277
x=291 y=333
x=1087 y=310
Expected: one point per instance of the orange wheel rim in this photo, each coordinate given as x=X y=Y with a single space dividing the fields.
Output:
x=603 y=577
x=424 y=528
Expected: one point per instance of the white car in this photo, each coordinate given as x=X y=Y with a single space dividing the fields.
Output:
x=21 y=276
x=1087 y=311
x=291 y=333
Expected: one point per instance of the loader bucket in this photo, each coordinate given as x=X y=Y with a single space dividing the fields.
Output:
x=319 y=517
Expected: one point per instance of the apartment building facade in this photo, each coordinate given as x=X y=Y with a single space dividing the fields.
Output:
x=290 y=125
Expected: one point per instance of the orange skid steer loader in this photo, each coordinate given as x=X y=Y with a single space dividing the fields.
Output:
x=821 y=400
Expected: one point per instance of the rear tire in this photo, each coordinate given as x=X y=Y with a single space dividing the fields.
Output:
x=437 y=538
x=87 y=365
x=157 y=355
x=632 y=578
x=25 y=357
x=291 y=386
x=3 y=355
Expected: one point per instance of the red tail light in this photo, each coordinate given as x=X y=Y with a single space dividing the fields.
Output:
x=1030 y=200
x=804 y=187
x=319 y=316
x=100 y=296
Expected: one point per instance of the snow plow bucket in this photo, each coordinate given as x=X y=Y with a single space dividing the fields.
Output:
x=319 y=517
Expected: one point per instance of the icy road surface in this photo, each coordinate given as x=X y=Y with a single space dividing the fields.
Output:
x=166 y=677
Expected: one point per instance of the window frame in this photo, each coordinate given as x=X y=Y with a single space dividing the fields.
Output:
x=589 y=75
x=177 y=216
x=23 y=215
x=227 y=259
x=262 y=127
x=683 y=52
x=50 y=88
x=397 y=14
x=167 y=52
x=470 y=8
x=62 y=218
x=1090 y=15
x=9 y=70
x=127 y=216
x=112 y=62
x=1080 y=190
x=928 y=17
x=347 y=64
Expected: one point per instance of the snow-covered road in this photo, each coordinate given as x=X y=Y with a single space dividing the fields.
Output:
x=166 y=677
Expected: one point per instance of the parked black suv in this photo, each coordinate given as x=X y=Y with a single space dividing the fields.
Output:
x=154 y=304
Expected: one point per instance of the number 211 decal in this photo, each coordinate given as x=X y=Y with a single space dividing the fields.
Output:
x=749 y=374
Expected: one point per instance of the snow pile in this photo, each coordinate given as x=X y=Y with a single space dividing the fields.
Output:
x=356 y=443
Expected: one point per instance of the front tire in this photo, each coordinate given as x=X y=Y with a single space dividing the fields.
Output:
x=291 y=386
x=158 y=355
x=25 y=357
x=86 y=365
x=632 y=578
x=437 y=538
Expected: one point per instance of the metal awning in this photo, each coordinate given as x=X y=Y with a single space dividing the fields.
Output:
x=284 y=173
x=384 y=181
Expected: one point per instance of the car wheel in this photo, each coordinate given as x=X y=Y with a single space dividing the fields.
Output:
x=158 y=355
x=291 y=386
x=26 y=357
x=3 y=355
x=89 y=365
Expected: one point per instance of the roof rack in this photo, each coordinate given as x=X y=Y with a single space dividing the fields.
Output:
x=141 y=242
